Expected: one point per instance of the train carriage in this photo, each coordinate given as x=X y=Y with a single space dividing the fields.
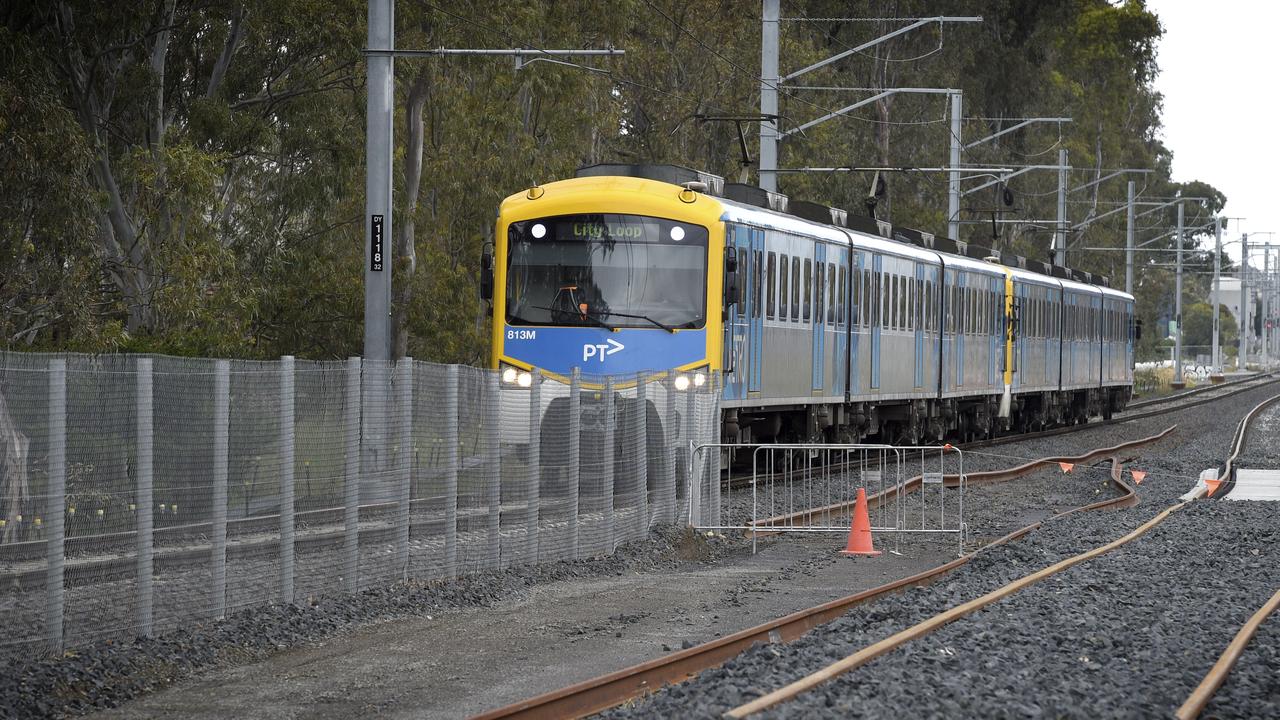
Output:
x=819 y=328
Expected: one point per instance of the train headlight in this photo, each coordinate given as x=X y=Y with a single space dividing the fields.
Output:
x=524 y=379
x=682 y=382
x=509 y=375
x=699 y=379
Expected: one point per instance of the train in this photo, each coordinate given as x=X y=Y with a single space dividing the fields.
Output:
x=817 y=325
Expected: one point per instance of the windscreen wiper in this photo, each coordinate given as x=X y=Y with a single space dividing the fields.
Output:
x=595 y=314
x=588 y=315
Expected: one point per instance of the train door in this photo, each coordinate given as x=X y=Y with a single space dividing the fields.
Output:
x=917 y=322
x=873 y=306
x=756 y=321
x=737 y=324
x=819 y=278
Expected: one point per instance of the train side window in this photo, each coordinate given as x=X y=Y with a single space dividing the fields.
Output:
x=808 y=289
x=842 y=299
x=867 y=310
x=771 y=302
x=795 y=288
x=833 y=300
x=904 y=302
x=784 y=305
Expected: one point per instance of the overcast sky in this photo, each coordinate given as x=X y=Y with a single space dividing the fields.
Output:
x=1221 y=109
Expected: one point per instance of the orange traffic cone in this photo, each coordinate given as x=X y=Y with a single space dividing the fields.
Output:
x=860 y=529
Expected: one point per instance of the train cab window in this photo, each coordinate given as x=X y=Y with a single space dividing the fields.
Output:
x=772 y=287
x=783 y=297
x=808 y=289
x=795 y=288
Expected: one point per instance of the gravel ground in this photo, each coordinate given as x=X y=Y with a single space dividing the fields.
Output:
x=108 y=672
x=1261 y=449
x=1253 y=687
x=1157 y=614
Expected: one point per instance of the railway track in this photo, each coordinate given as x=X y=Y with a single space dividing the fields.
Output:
x=607 y=691
x=619 y=687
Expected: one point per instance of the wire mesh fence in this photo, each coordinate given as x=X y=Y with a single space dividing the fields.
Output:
x=139 y=494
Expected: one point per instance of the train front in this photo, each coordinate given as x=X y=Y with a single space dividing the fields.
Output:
x=609 y=276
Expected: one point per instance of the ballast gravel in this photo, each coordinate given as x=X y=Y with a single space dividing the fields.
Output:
x=107 y=673
x=1127 y=634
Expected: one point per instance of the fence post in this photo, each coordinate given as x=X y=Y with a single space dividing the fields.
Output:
x=56 y=511
x=606 y=455
x=405 y=460
x=691 y=442
x=451 y=472
x=351 y=480
x=642 y=458
x=574 y=458
x=492 y=404
x=533 y=477
x=671 y=451
x=146 y=505
x=221 y=444
x=286 y=479
x=713 y=470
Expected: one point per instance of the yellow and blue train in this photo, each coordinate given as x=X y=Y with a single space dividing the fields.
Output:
x=822 y=325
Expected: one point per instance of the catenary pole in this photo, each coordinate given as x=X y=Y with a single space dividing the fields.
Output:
x=1242 y=359
x=1217 y=293
x=769 y=95
x=1177 y=311
x=1128 y=244
x=953 y=182
x=379 y=115
x=1060 y=236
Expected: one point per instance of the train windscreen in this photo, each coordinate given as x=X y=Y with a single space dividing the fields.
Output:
x=607 y=271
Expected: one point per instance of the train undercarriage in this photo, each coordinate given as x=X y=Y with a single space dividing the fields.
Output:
x=921 y=421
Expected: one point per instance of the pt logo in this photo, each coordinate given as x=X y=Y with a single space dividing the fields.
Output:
x=599 y=351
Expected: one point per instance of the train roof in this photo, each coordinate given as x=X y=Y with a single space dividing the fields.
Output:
x=808 y=215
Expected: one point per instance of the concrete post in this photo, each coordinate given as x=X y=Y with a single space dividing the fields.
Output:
x=1242 y=359
x=1060 y=233
x=351 y=480
x=533 y=478
x=145 y=502
x=380 y=119
x=769 y=94
x=286 y=478
x=492 y=404
x=641 y=462
x=1217 y=294
x=1128 y=243
x=574 y=458
x=953 y=177
x=56 y=510
x=450 y=439
x=404 y=463
x=221 y=447
x=1178 y=382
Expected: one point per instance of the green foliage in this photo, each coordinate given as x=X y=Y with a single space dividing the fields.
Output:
x=212 y=204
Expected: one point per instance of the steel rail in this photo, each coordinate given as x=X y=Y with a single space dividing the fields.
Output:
x=1204 y=692
x=953 y=480
x=875 y=650
x=600 y=693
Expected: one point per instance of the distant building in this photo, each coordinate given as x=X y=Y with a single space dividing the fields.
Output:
x=1229 y=289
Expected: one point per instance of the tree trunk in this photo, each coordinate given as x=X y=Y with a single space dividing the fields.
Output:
x=406 y=253
x=15 y=493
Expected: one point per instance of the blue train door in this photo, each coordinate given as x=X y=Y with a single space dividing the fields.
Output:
x=759 y=285
x=819 y=315
x=876 y=291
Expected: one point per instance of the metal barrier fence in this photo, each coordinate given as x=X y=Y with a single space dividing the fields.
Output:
x=142 y=493
x=812 y=488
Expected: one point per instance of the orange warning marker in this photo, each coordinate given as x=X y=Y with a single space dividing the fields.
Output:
x=1213 y=484
x=1138 y=475
x=860 y=529
x=1066 y=467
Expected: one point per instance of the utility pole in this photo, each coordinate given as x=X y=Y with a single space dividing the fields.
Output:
x=769 y=95
x=1178 y=382
x=1060 y=237
x=1217 y=289
x=380 y=118
x=953 y=183
x=1242 y=359
x=1266 y=304
x=1128 y=244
